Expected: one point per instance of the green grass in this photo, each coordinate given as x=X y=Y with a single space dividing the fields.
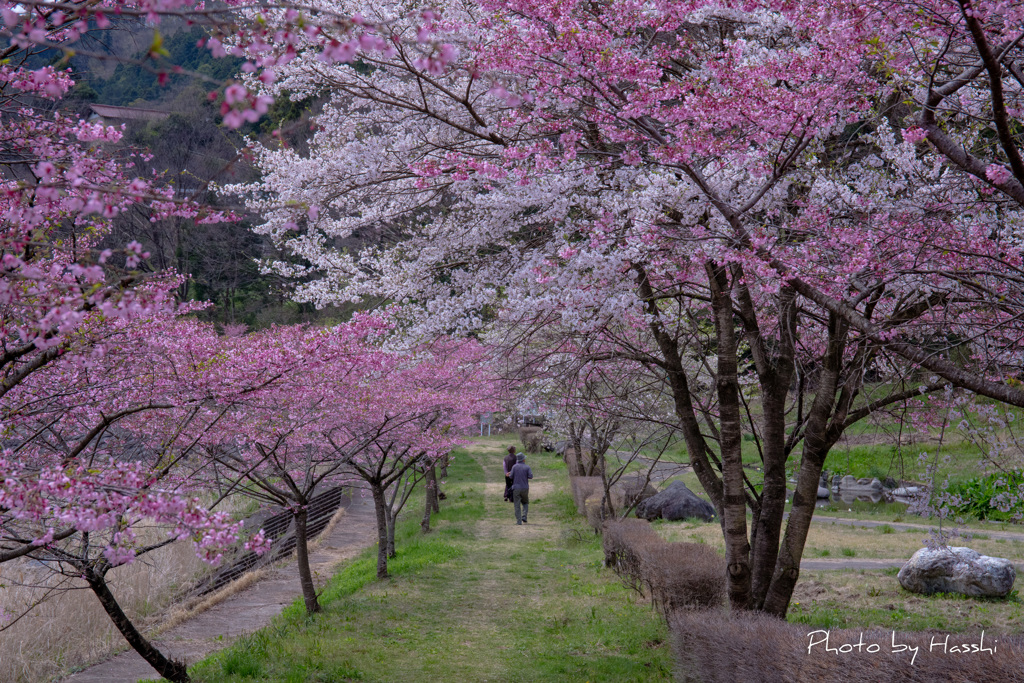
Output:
x=477 y=599
x=959 y=461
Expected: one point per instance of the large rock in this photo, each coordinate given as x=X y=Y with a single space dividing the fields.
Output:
x=957 y=570
x=674 y=503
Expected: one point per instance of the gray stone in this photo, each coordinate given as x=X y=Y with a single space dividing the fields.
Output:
x=674 y=503
x=907 y=491
x=823 y=492
x=865 y=485
x=957 y=570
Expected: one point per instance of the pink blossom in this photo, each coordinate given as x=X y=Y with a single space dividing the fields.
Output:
x=998 y=173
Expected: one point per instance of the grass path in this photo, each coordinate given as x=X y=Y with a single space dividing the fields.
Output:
x=478 y=599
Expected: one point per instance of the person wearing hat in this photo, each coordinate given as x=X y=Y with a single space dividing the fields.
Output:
x=507 y=465
x=521 y=475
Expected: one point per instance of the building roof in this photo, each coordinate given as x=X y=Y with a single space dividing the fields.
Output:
x=109 y=111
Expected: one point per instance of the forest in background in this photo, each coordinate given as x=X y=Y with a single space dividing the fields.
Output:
x=193 y=149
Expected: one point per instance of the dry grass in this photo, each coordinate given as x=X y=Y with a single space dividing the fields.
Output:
x=532 y=438
x=583 y=488
x=69 y=628
x=593 y=510
x=875 y=598
x=621 y=540
x=683 y=576
x=675 y=575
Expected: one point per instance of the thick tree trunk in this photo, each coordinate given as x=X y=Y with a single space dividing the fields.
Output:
x=608 y=508
x=380 y=507
x=775 y=373
x=787 y=567
x=576 y=435
x=302 y=560
x=171 y=670
x=696 y=447
x=818 y=440
x=734 y=507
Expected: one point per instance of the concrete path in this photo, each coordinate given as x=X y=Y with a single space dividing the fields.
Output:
x=903 y=526
x=818 y=565
x=248 y=610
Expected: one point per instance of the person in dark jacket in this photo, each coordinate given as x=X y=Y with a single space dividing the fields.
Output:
x=507 y=465
x=521 y=476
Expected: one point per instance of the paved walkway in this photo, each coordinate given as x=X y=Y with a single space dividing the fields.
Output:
x=903 y=526
x=249 y=609
x=818 y=565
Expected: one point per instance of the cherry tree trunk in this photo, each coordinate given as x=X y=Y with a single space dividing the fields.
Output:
x=434 y=495
x=171 y=670
x=734 y=503
x=431 y=504
x=775 y=374
x=390 y=516
x=302 y=560
x=576 y=436
x=818 y=440
x=787 y=568
x=380 y=507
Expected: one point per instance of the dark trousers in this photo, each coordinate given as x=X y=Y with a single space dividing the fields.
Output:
x=508 y=488
x=521 y=497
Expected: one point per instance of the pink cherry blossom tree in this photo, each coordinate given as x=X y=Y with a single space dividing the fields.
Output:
x=737 y=187
x=101 y=447
x=273 y=447
x=91 y=366
x=407 y=415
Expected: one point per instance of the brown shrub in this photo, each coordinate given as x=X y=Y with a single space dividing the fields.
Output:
x=583 y=488
x=716 y=646
x=532 y=438
x=594 y=510
x=570 y=461
x=683 y=576
x=624 y=542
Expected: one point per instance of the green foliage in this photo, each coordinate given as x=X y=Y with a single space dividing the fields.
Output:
x=565 y=506
x=241 y=662
x=975 y=496
x=136 y=85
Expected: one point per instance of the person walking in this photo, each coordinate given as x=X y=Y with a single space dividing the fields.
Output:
x=521 y=476
x=507 y=465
